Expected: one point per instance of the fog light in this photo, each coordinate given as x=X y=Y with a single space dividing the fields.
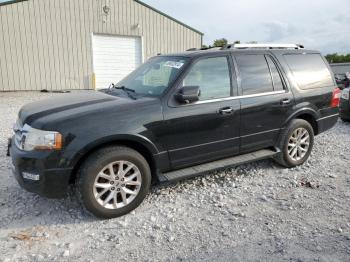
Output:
x=30 y=176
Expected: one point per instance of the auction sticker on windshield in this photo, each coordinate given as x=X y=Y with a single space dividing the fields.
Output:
x=173 y=64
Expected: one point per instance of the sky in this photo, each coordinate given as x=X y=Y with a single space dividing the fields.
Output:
x=317 y=24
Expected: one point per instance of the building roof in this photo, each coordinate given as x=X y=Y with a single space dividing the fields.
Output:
x=170 y=17
x=7 y=2
x=340 y=64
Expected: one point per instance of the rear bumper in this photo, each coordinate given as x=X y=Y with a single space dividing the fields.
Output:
x=327 y=122
x=31 y=174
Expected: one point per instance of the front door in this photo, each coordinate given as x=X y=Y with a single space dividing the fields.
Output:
x=208 y=129
x=265 y=100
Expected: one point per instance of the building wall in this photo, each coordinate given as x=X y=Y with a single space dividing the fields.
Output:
x=47 y=44
x=340 y=68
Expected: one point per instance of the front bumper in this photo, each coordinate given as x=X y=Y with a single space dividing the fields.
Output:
x=344 y=109
x=29 y=169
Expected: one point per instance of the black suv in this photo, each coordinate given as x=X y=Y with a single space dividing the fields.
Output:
x=175 y=117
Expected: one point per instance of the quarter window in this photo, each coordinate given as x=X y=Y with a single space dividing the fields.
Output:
x=254 y=74
x=309 y=70
x=212 y=75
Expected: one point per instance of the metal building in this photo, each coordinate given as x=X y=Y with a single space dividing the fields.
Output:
x=82 y=44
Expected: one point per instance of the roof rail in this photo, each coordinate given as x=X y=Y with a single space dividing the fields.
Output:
x=193 y=49
x=263 y=46
x=204 y=48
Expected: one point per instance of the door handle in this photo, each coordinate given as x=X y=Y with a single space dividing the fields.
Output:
x=226 y=111
x=285 y=101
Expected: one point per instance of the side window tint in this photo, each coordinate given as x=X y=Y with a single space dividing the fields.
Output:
x=212 y=75
x=310 y=70
x=276 y=77
x=254 y=73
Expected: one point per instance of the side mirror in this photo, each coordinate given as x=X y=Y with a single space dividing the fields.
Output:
x=188 y=94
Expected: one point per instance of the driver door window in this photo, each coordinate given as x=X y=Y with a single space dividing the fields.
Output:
x=212 y=75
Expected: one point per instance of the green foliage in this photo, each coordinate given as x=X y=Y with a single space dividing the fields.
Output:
x=220 y=42
x=336 y=58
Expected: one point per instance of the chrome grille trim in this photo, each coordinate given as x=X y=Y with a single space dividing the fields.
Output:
x=20 y=134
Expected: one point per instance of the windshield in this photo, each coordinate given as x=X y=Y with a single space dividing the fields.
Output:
x=154 y=77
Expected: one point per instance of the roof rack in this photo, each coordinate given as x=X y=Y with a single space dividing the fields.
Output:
x=204 y=48
x=263 y=46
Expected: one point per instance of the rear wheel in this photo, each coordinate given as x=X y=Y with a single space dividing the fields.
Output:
x=113 y=181
x=345 y=120
x=296 y=143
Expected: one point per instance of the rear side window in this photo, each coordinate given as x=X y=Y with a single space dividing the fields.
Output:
x=309 y=70
x=254 y=74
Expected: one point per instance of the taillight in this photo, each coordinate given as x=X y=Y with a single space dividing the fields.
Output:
x=336 y=97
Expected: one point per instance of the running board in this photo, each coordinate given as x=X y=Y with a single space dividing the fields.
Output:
x=219 y=164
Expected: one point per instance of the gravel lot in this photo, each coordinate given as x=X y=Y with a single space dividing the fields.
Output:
x=255 y=212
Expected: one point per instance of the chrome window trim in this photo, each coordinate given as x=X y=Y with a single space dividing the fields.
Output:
x=238 y=97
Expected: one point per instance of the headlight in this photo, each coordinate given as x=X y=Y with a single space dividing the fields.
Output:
x=345 y=94
x=35 y=139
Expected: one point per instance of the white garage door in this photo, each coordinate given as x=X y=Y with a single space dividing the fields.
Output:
x=114 y=57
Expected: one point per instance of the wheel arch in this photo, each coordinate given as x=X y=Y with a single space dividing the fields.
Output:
x=139 y=144
x=307 y=114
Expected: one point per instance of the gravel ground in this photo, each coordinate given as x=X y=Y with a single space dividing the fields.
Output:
x=255 y=212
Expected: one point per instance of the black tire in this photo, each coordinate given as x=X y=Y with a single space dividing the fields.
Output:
x=345 y=120
x=283 y=158
x=94 y=164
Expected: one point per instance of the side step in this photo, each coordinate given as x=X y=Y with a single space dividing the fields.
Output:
x=219 y=164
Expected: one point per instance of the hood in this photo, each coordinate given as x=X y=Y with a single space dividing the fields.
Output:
x=63 y=103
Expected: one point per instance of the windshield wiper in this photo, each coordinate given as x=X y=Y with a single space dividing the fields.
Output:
x=128 y=91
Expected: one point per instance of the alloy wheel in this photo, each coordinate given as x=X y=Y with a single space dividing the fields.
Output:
x=298 y=144
x=117 y=184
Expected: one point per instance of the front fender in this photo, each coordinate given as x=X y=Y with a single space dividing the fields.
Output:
x=75 y=157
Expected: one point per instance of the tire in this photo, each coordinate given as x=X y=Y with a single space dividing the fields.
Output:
x=345 y=120
x=288 y=136
x=97 y=184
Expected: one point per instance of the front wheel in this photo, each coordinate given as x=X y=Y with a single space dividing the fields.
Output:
x=296 y=143
x=113 y=181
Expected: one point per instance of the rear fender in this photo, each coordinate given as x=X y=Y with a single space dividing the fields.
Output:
x=299 y=112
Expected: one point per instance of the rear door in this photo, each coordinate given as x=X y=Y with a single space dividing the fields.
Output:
x=265 y=100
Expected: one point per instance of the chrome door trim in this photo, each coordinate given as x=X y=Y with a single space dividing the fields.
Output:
x=237 y=97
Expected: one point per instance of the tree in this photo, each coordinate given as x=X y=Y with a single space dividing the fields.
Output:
x=220 y=42
x=336 y=58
